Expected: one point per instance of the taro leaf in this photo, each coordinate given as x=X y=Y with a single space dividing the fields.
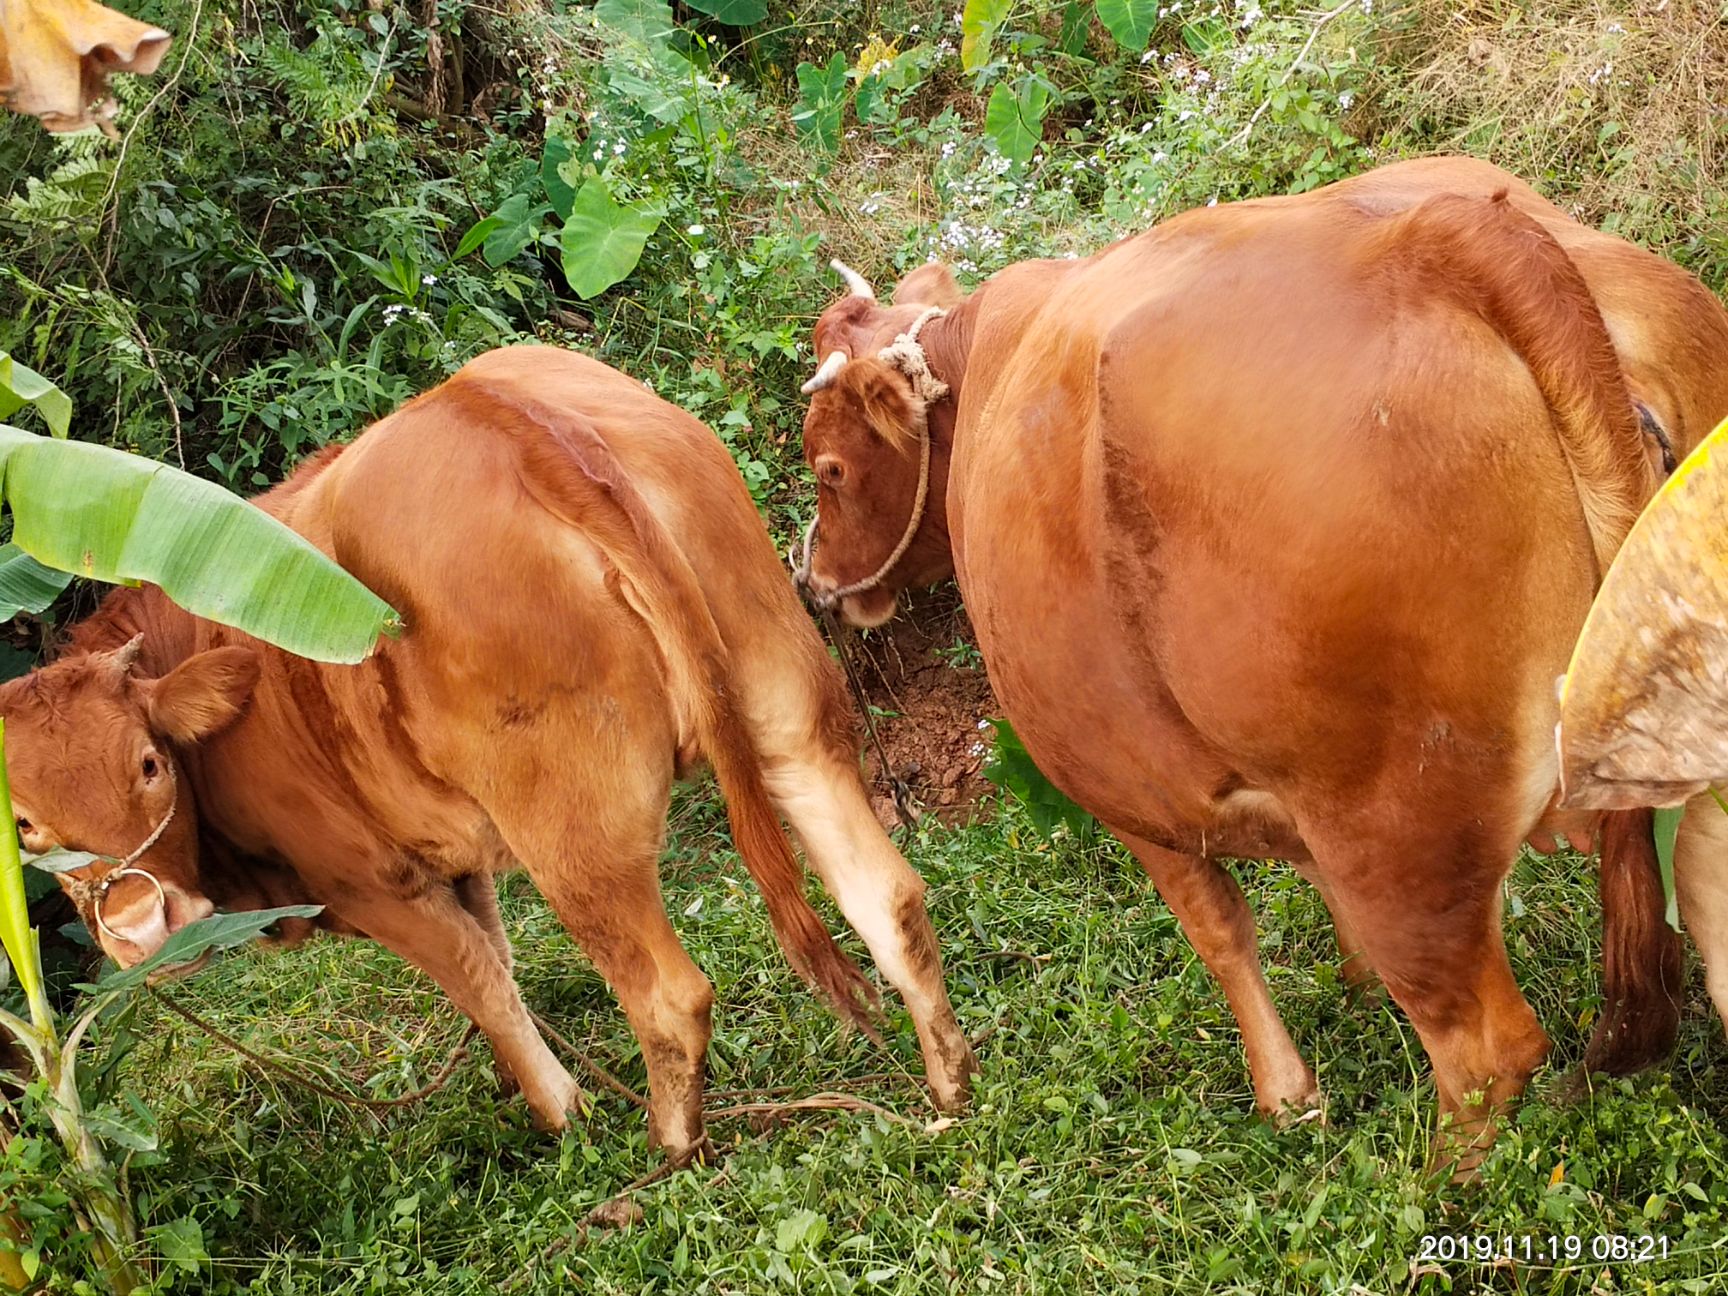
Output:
x=1129 y=21
x=1013 y=768
x=735 y=13
x=649 y=21
x=821 y=101
x=119 y=517
x=25 y=584
x=557 y=152
x=1667 y=828
x=603 y=239
x=21 y=386
x=1014 y=118
x=980 y=20
x=193 y=941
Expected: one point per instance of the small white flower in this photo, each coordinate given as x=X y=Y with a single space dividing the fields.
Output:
x=427 y=280
x=1345 y=100
x=697 y=230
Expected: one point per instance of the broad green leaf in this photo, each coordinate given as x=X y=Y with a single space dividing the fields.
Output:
x=514 y=231
x=1129 y=21
x=217 y=932
x=1667 y=828
x=1014 y=117
x=21 y=386
x=821 y=101
x=603 y=239
x=735 y=13
x=181 y=1243
x=557 y=152
x=62 y=861
x=477 y=234
x=980 y=20
x=122 y=518
x=1075 y=24
x=25 y=584
x=1013 y=769
x=649 y=21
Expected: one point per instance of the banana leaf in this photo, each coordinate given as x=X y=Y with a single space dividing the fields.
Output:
x=25 y=584
x=119 y=517
x=1644 y=703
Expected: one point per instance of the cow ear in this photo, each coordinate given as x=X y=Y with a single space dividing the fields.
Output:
x=891 y=408
x=204 y=694
x=929 y=285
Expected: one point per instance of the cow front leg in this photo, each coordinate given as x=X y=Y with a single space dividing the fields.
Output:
x=882 y=898
x=435 y=932
x=1219 y=925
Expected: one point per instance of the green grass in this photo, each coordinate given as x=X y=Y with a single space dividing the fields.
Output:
x=1112 y=1146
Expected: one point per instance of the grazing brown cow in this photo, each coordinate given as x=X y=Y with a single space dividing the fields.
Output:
x=1276 y=524
x=592 y=603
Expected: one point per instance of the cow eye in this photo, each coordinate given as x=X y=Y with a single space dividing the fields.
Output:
x=24 y=825
x=832 y=471
x=151 y=768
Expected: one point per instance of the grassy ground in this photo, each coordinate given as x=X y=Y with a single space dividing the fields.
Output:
x=217 y=289
x=1112 y=1147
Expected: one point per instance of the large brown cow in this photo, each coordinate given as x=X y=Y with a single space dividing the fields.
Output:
x=592 y=603
x=1276 y=524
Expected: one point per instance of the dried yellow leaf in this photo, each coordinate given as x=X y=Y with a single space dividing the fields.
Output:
x=56 y=57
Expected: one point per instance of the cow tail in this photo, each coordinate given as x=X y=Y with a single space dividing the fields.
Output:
x=1519 y=279
x=573 y=473
x=1643 y=963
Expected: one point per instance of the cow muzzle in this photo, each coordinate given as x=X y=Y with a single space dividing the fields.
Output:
x=134 y=912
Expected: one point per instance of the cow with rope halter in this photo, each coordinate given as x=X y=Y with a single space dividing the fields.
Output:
x=1276 y=524
x=592 y=606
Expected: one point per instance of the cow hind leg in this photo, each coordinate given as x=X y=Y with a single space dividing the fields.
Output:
x=1429 y=920
x=435 y=931
x=1220 y=926
x=601 y=878
x=1353 y=966
x=478 y=894
x=882 y=898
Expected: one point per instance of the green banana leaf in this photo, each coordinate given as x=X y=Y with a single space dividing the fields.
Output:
x=25 y=584
x=119 y=517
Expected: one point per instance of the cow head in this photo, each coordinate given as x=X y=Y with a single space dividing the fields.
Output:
x=92 y=754
x=872 y=421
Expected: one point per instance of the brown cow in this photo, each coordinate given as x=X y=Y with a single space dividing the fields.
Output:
x=1276 y=524
x=592 y=603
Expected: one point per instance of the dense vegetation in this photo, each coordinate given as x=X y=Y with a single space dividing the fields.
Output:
x=319 y=209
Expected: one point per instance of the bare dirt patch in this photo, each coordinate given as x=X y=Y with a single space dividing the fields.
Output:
x=927 y=689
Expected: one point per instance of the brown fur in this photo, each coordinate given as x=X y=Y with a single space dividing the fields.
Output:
x=591 y=601
x=1276 y=524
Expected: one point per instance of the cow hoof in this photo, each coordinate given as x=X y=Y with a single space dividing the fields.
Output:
x=1310 y=1109
x=554 y=1117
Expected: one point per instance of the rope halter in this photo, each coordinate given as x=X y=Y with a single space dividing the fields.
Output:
x=905 y=354
x=94 y=893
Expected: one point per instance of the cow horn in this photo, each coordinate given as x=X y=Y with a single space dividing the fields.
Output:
x=826 y=375
x=123 y=658
x=856 y=284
